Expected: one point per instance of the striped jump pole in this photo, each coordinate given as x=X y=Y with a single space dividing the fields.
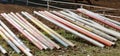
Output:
x=25 y=26
x=85 y=26
x=24 y=32
x=36 y=30
x=97 y=26
x=3 y=50
x=98 y=17
x=15 y=42
x=41 y=25
x=79 y=29
x=15 y=37
x=70 y=30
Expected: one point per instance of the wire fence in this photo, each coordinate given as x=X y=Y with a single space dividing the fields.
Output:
x=49 y=2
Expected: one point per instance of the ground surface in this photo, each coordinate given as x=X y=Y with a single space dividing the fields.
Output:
x=83 y=48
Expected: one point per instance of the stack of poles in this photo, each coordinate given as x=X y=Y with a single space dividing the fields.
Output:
x=10 y=37
x=92 y=24
x=38 y=37
x=35 y=29
x=51 y=32
x=30 y=36
x=99 y=18
x=106 y=21
x=40 y=24
x=70 y=30
x=14 y=36
x=11 y=44
x=68 y=20
x=90 y=34
x=63 y=15
x=3 y=51
x=33 y=34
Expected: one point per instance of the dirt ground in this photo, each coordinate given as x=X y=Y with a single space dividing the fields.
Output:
x=83 y=48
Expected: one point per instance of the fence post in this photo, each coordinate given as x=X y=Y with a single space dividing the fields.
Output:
x=48 y=5
x=27 y=2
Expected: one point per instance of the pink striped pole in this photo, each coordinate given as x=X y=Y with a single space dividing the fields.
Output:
x=99 y=18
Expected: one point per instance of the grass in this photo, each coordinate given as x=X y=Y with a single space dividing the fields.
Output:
x=83 y=48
